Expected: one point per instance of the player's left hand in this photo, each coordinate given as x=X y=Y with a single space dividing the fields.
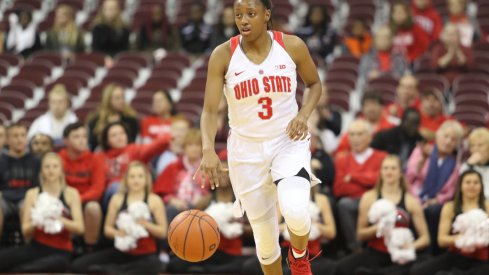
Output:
x=297 y=128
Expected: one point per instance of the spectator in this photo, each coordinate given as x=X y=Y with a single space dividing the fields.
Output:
x=65 y=37
x=356 y=173
x=323 y=224
x=479 y=156
x=225 y=28
x=56 y=118
x=407 y=97
x=135 y=188
x=113 y=107
x=320 y=38
x=48 y=251
x=19 y=171
x=409 y=38
x=156 y=32
x=427 y=17
x=228 y=258
x=41 y=144
x=23 y=37
x=359 y=40
x=432 y=171
x=432 y=113
x=383 y=59
x=160 y=122
x=457 y=12
x=469 y=196
x=450 y=58
x=176 y=184
x=179 y=129
x=326 y=122
x=3 y=139
x=400 y=140
x=322 y=165
x=118 y=152
x=110 y=34
x=392 y=186
x=84 y=171
x=372 y=112
x=196 y=34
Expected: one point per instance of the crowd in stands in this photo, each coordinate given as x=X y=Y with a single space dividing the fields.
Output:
x=419 y=139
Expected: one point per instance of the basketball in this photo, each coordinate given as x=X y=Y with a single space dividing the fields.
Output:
x=193 y=236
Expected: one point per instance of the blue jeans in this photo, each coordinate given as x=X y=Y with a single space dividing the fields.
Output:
x=109 y=192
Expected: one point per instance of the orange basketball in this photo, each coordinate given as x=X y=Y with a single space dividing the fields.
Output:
x=193 y=235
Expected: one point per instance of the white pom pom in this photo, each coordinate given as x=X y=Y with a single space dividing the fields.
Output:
x=125 y=243
x=383 y=213
x=139 y=210
x=400 y=245
x=473 y=229
x=46 y=212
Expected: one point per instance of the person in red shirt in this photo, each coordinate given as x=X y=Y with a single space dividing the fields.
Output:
x=407 y=97
x=356 y=173
x=450 y=58
x=49 y=248
x=160 y=122
x=372 y=112
x=427 y=17
x=176 y=184
x=432 y=113
x=118 y=153
x=408 y=36
x=143 y=259
x=85 y=172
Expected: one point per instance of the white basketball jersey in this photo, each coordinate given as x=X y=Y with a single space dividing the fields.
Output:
x=261 y=97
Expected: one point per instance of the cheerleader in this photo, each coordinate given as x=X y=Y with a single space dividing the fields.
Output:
x=406 y=212
x=460 y=254
x=52 y=213
x=135 y=219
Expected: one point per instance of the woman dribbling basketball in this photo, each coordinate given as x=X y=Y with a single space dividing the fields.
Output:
x=269 y=156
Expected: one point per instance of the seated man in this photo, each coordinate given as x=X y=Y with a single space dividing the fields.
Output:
x=19 y=171
x=356 y=173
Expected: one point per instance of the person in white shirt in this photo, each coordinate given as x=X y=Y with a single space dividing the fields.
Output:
x=59 y=115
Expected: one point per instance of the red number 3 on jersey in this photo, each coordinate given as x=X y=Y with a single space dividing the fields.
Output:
x=266 y=104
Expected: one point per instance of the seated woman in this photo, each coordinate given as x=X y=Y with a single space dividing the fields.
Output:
x=376 y=259
x=432 y=171
x=50 y=248
x=134 y=196
x=469 y=196
x=65 y=37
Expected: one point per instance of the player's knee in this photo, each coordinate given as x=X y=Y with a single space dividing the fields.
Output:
x=294 y=196
x=93 y=209
x=267 y=252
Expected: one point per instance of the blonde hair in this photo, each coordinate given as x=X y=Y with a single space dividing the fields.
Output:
x=105 y=109
x=52 y=155
x=134 y=164
x=402 y=181
x=452 y=125
x=118 y=24
x=59 y=89
x=70 y=29
x=479 y=133
x=193 y=136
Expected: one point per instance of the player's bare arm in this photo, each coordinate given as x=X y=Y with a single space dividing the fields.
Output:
x=210 y=167
x=297 y=49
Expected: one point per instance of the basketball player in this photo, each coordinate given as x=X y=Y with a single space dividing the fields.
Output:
x=269 y=156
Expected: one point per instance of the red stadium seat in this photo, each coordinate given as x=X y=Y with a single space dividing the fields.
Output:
x=95 y=57
x=142 y=59
x=52 y=57
x=11 y=59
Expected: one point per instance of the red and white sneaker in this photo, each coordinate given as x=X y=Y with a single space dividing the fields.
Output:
x=300 y=266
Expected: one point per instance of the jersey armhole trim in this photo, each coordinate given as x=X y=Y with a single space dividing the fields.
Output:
x=278 y=36
x=234 y=44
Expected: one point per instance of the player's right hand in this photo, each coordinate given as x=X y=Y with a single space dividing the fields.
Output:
x=210 y=168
